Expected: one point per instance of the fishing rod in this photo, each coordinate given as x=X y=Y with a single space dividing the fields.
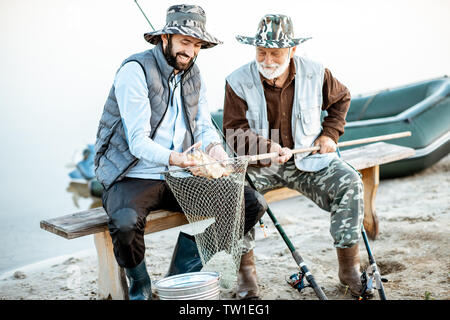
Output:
x=296 y=280
x=144 y=15
x=375 y=272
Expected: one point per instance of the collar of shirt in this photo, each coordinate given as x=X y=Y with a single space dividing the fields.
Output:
x=175 y=78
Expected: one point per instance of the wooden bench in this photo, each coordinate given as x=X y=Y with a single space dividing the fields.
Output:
x=112 y=282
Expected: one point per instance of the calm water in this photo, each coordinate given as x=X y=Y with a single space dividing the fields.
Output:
x=34 y=186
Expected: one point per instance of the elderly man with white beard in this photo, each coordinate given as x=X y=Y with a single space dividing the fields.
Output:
x=274 y=104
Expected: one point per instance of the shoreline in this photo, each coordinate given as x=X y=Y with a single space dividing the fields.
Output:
x=31 y=267
x=412 y=250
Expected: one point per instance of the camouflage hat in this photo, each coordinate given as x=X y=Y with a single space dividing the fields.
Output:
x=274 y=31
x=187 y=20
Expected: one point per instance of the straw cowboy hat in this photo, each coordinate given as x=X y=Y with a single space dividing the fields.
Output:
x=274 y=31
x=187 y=20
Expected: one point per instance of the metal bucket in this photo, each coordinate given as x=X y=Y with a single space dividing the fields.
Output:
x=189 y=286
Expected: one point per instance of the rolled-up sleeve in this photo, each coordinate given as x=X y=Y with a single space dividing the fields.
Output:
x=132 y=97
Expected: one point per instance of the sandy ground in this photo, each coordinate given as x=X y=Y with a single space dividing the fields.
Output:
x=412 y=251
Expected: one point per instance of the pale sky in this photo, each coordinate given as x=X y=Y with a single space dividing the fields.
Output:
x=60 y=57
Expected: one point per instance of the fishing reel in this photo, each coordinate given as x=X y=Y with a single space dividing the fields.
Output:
x=297 y=281
x=369 y=285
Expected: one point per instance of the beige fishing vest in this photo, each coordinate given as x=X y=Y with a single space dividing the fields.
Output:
x=306 y=109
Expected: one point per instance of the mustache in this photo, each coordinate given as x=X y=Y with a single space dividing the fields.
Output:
x=273 y=65
x=184 y=55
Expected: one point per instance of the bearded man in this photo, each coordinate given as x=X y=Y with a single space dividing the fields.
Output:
x=274 y=104
x=155 y=112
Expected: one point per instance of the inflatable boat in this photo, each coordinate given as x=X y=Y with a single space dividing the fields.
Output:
x=422 y=108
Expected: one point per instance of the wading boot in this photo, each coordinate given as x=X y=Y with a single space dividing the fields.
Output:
x=349 y=265
x=247 y=287
x=140 y=287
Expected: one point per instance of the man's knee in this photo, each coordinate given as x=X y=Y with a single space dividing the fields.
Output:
x=350 y=180
x=123 y=224
x=255 y=201
x=262 y=204
x=355 y=177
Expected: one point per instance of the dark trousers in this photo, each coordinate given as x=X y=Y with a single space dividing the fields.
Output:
x=129 y=201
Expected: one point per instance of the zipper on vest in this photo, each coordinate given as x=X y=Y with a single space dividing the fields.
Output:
x=174 y=88
x=186 y=72
x=186 y=118
x=170 y=101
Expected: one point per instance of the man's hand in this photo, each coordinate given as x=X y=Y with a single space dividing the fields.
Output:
x=182 y=160
x=218 y=153
x=326 y=144
x=284 y=154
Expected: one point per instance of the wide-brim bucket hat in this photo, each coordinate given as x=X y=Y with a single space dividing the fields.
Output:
x=186 y=20
x=274 y=31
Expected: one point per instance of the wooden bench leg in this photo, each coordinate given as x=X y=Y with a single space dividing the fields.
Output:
x=112 y=283
x=371 y=180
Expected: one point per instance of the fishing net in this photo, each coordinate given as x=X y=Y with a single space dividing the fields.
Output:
x=212 y=198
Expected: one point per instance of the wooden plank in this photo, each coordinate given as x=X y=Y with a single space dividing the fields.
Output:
x=77 y=224
x=93 y=221
x=280 y=194
x=371 y=180
x=162 y=220
x=112 y=283
x=375 y=154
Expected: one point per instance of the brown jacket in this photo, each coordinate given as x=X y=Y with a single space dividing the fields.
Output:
x=336 y=100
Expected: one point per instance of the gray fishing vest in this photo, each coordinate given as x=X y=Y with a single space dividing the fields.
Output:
x=112 y=154
x=306 y=109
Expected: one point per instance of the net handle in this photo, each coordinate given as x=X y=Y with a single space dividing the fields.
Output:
x=301 y=150
x=340 y=144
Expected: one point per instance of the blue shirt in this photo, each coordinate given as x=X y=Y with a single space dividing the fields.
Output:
x=132 y=97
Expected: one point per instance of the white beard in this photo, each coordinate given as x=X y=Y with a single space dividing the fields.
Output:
x=275 y=70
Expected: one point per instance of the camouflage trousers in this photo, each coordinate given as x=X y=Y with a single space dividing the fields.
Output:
x=338 y=189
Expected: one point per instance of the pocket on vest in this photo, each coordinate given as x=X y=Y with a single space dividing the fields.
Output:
x=103 y=140
x=253 y=120
x=310 y=120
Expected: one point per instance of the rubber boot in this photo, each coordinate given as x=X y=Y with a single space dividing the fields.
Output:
x=140 y=287
x=349 y=265
x=247 y=281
